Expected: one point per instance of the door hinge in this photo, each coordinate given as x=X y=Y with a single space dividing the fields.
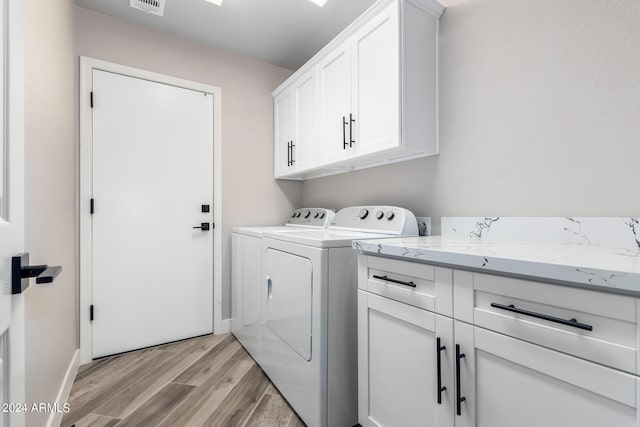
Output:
x=213 y=225
x=92 y=206
x=91 y=313
x=91 y=99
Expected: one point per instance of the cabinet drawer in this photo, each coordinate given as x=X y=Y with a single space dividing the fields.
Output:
x=596 y=326
x=419 y=285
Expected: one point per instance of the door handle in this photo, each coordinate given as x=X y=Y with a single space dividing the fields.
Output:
x=344 y=132
x=439 y=349
x=21 y=272
x=459 y=397
x=293 y=161
x=571 y=322
x=204 y=226
x=269 y=287
x=288 y=153
x=389 y=279
x=352 y=121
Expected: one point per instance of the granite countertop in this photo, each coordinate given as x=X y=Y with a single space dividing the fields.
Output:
x=598 y=267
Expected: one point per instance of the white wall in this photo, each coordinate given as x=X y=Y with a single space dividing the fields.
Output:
x=539 y=116
x=250 y=195
x=50 y=183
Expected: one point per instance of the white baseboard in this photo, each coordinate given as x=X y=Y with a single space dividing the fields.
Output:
x=223 y=328
x=65 y=389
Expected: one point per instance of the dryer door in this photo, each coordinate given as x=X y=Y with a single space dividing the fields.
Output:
x=289 y=299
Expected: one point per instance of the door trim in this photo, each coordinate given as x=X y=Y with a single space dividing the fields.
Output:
x=85 y=252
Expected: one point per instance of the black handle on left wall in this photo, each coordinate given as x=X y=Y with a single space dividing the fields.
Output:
x=21 y=272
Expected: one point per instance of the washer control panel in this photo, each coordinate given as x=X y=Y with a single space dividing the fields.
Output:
x=390 y=220
x=311 y=217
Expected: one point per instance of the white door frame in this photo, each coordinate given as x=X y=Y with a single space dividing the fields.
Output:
x=87 y=65
x=13 y=133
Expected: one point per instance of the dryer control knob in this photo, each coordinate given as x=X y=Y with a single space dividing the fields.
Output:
x=321 y=215
x=294 y=215
x=308 y=214
x=390 y=215
x=379 y=214
x=298 y=215
x=363 y=213
x=317 y=215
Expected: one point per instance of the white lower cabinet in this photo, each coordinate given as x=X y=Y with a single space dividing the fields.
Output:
x=494 y=375
x=398 y=364
x=507 y=382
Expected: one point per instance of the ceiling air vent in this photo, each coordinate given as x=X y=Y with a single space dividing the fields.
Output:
x=155 y=7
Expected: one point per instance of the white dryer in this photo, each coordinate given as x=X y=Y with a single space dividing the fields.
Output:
x=246 y=272
x=309 y=330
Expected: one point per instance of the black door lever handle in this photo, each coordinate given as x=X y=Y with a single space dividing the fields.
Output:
x=21 y=272
x=204 y=226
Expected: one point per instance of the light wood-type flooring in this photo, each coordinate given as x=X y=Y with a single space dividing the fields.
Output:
x=204 y=381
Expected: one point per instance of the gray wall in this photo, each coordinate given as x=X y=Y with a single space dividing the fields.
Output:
x=250 y=195
x=539 y=115
x=50 y=184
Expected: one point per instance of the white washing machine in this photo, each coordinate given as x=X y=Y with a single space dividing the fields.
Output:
x=309 y=330
x=246 y=272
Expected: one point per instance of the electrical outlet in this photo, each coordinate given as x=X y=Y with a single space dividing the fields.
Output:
x=424 y=225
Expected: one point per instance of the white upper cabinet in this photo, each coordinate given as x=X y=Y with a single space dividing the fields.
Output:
x=335 y=105
x=296 y=126
x=375 y=84
x=305 y=141
x=376 y=97
x=284 y=130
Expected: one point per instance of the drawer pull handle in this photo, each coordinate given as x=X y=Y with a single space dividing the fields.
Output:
x=439 y=362
x=572 y=322
x=459 y=397
x=400 y=282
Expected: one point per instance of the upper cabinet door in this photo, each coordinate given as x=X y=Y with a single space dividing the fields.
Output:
x=284 y=133
x=376 y=83
x=305 y=142
x=335 y=105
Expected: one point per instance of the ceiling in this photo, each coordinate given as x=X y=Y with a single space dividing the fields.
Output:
x=282 y=32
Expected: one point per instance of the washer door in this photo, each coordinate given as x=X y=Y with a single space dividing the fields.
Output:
x=289 y=299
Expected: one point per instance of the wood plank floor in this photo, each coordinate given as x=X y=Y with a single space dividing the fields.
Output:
x=204 y=381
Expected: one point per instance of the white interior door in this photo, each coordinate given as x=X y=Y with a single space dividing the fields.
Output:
x=11 y=208
x=152 y=172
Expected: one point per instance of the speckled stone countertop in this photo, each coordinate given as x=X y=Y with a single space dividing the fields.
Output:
x=595 y=267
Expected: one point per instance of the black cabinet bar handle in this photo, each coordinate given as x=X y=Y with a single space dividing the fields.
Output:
x=344 y=132
x=293 y=161
x=400 y=282
x=439 y=362
x=352 y=121
x=288 y=154
x=572 y=322
x=459 y=397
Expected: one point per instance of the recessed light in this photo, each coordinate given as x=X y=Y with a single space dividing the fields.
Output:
x=218 y=2
x=319 y=2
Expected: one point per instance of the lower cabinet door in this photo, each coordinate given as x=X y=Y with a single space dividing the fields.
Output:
x=508 y=382
x=398 y=365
